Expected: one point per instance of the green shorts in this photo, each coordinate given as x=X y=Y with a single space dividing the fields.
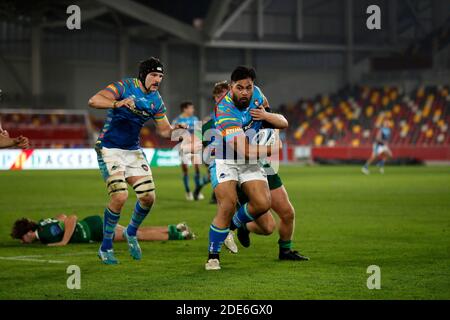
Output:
x=95 y=224
x=88 y=230
x=273 y=180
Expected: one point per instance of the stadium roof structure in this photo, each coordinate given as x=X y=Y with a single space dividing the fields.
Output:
x=207 y=23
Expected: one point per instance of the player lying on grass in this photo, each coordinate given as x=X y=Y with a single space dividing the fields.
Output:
x=381 y=149
x=62 y=229
x=130 y=102
x=235 y=158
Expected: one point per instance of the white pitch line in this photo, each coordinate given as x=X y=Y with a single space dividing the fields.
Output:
x=30 y=260
x=48 y=255
x=83 y=253
x=24 y=257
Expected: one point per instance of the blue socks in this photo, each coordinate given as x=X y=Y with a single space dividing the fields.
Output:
x=138 y=216
x=205 y=180
x=216 y=238
x=109 y=225
x=197 y=179
x=381 y=163
x=242 y=216
x=186 y=183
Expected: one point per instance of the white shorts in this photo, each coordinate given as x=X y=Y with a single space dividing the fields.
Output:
x=132 y=162
x=379 y=149
x=222 y=171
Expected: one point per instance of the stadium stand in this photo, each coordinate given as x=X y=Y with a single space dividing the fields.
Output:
x=346 y=119
x=49 y=128
x=66 y=128
x=351 y=117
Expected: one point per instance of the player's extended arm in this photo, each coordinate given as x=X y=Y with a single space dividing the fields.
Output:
x=164 y=128
x=250 y=151
x=69 y=228
x=7 y=142
x=61 y=217
x=278 y=121
x=106 y=100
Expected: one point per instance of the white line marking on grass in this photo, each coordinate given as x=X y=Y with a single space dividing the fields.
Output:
x=30 y=260
x=33 y=258
x=24 y=257
x=84 y=253
x=52 y=255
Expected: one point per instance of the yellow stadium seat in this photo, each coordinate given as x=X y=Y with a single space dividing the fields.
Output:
x=318 y=140
x=355 y=143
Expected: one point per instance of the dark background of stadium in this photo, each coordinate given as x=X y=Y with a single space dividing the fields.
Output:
x=303 y=51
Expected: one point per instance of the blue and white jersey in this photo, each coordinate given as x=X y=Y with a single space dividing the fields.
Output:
x=231 y=121
x=189 y=121
x=122 y=126
x=385 y=135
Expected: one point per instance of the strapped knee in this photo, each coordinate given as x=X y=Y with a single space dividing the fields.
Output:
x=144 y=187
x=116 y=185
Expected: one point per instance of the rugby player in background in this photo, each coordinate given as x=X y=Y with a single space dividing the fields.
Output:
x=188 y=118
x=380 y=149
x=219 y=91
x=130 y=102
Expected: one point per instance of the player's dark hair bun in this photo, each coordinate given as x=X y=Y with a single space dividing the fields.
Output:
x=243 y=72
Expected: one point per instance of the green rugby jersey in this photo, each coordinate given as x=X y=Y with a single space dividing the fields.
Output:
x=51 y=230
x=205 y=127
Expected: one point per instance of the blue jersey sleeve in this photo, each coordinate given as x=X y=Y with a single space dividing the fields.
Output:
x=176 y=121
x=258 y=97
x=160 y=110
x=117 y=89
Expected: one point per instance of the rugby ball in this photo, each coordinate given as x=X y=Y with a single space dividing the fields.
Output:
x=265 y=137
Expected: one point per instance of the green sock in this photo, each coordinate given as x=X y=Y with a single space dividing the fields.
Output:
x=285 y=245
x=174 y=234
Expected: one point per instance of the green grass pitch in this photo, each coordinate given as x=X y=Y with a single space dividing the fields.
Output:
x=345 y=222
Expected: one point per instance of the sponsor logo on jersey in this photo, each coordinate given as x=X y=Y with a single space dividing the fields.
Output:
x=232 y=130
x=55 y=230
x=141 y=113
x=145 y=167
